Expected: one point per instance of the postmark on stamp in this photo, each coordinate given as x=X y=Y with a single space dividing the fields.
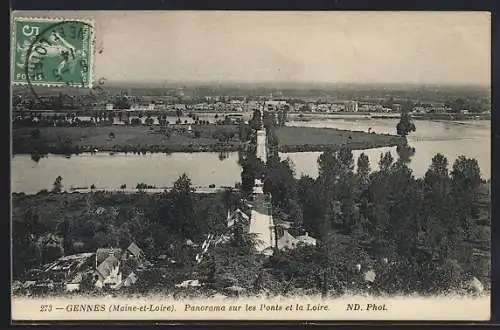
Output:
x=52 y=52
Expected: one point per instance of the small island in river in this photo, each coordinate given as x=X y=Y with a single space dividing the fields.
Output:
x=184 y=138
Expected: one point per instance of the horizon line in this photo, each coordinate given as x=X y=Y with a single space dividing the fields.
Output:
x=266 y=82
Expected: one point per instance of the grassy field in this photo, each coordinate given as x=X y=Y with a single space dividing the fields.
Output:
x=87 y=138
x=318 y=139
x=130 y=138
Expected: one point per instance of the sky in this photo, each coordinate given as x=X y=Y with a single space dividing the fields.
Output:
x=321 y=47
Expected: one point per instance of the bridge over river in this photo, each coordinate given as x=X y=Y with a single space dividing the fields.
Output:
x=261 y=222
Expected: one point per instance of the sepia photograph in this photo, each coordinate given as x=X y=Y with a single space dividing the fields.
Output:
x=237 y=165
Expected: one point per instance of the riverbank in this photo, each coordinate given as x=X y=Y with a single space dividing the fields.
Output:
x=297 y=139
x=308 y=116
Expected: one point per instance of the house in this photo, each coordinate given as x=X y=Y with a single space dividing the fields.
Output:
x=131 y=279
x=74 y=284
x=281 y=226
x=258 y=187
x=287 y=241
x=103 y=253
x=100 y=210
x=238 y=216
x=306 y=239
x=475 y=286
x=135 y=251
x=370 y=276
x=188 y=283
x=116 y=267
x=108 y=272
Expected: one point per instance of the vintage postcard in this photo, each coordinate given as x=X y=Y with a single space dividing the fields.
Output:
x=226 y=165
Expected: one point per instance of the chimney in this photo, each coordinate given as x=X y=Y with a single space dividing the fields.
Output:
x=307 y=234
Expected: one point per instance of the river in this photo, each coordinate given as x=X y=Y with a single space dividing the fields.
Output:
x=452 y=139
x=469 y=138
x=112 y=171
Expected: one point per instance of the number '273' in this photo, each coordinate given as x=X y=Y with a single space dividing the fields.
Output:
x=45 y=308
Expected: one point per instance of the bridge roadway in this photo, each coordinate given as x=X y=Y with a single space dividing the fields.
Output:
x=261 y=222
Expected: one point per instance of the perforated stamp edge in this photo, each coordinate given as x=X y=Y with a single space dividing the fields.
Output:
x=92 y=38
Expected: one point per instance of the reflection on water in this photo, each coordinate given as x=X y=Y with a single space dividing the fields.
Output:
x=223 y=155
x=452 y=139
x=405 y=153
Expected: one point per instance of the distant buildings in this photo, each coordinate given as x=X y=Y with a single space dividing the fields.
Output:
x=431 y=108
x=143 y=107
x=351 y=106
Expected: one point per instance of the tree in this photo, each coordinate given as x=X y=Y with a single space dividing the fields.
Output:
x=243 y=132
x=247 y=178
x=466 y=174
x=440 y=228
x=256 y=120
x=280 y=183
x=35 y=134
x=363 y=165
x=459 y=104
x=466 y=181
x=405 y=125
x=405 y=152
x=386 y=161
x=269 y=120
x=182 y=195
x=57 y=186
x=122 y=103
x=437 y=170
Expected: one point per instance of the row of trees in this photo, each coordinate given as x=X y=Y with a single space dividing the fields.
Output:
x=98 y=120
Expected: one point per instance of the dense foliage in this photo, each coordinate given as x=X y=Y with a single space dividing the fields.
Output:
x=159 y=223
x=423 y=235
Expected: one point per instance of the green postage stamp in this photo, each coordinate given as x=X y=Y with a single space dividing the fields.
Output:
x=52 y=52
